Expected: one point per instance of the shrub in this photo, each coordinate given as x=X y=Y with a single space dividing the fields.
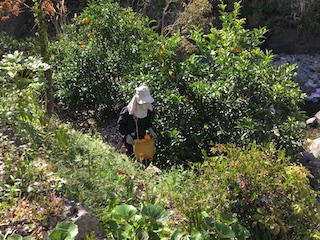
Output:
x=259 y=187
x=9 y=44
x=21 y=103
x=125 y=222
x=27 y=184
x=228 y=91
x=95 y=55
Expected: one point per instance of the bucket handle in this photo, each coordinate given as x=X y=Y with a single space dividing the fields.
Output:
x=137 y=130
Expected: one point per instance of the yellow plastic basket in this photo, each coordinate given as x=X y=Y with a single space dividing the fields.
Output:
x=144 y=149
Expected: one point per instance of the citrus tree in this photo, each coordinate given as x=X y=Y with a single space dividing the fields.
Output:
x=95 y=55
x=228 y=91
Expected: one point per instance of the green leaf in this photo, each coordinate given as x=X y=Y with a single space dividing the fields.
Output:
x=69 y=227
x=178 y=233
x=143 y=235
x=227 y=218
x=154 y=236
x=241 y=232
x=197 y=236
x=154 y=212
x=126 y=211
x=15 y=237
x=224 y=231
x=59 y=235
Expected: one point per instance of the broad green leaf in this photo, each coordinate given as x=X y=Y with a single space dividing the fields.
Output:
x=224 y=231
x=197 y=236
x=178 y=233
x=154 y=212
x=143 y=235
x=126 y=211
x=227 y=218
x=154 y=236
x=59 y=235
x=15 y=237
x=241 y=232
x=69 y=227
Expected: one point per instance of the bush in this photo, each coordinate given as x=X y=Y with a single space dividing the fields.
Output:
x=21 y=102
x=228 y=91
x=95 y=55
x=270 y=197
x=9 y=44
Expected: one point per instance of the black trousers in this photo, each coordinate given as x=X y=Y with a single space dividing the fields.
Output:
x=129 y=148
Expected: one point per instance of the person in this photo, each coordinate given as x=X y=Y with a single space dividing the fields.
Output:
x=140 y=111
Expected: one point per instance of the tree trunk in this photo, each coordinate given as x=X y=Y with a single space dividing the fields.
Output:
x=43 y=38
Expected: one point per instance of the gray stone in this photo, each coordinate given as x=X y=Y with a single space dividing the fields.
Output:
x=87 y=223
x=317 y=116
x=315 y=68
x=315 y=147
x=306 y=157
x=312 y=122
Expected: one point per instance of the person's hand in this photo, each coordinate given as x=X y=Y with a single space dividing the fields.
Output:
x=154 y=135
x=129 y=139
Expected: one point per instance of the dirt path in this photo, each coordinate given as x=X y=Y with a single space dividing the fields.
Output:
x=110 y=134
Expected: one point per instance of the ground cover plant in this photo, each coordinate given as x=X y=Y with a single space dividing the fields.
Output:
x=268 y=195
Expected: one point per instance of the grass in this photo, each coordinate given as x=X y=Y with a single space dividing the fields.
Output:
x=79 y=166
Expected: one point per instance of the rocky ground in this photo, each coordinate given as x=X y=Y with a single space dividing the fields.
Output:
x=308 y=76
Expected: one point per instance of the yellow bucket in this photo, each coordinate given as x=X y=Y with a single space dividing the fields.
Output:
x=144 y=149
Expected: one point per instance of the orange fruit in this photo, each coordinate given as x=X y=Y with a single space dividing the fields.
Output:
x=90 y=35
x=147 y=137
x=235 y=49
x=86 y=21
x=160 y=55
x=171 y=73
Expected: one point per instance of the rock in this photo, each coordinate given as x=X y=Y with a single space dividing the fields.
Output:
x=315 y=68
x=306 y=157
x=70 y=209
x=87 y=223
x=317 y=116
x=312 y=122
x=314 y=96
x=315 y=147
x=311 y=163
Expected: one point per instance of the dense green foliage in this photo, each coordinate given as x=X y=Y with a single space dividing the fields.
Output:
x=228 y=91
x=93 y=57
x=261 y=188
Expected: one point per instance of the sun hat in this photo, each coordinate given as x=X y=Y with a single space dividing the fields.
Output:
x=143 y=95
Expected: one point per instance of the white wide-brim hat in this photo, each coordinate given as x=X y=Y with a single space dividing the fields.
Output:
x=143 y=95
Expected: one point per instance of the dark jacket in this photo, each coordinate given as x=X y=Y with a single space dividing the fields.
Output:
x=127 y=125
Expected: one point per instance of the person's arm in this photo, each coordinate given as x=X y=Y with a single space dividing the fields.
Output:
x=123 y=126
x=149 y=124
x=123 y=123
